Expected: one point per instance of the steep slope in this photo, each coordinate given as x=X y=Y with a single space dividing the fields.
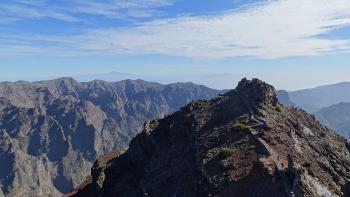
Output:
x=314 y=99
x=336 y=117
x=243 y=143
x=52 y=131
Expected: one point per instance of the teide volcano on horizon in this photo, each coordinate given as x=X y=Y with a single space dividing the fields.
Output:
x=242 y=143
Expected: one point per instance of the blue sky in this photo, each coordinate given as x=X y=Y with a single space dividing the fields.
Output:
x=292 y=44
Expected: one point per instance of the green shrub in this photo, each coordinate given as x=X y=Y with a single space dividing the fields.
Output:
x=241 y=127
x=226 y=152
x=278 y=108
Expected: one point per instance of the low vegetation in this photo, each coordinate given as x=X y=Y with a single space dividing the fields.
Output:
x=225 y=152
x=241 y=127
x=278 y=108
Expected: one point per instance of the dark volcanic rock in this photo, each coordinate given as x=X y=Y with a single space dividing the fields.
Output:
x=52 y=131
x=243 y=143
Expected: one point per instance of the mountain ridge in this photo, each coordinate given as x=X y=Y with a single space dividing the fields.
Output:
x=52 y=131
x=242 y=143
x=313 y=99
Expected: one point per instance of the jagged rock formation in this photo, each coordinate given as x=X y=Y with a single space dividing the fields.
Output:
x=243 y=143
x=52 y=131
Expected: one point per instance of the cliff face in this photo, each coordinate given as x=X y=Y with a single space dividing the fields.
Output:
x=243 y=143
x=52 y=131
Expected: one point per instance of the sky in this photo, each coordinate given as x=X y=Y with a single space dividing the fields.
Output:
x=292 y=44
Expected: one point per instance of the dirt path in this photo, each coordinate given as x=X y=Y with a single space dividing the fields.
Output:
x=288 y=186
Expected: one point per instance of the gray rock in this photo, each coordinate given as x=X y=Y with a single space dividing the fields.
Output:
x=52 y=131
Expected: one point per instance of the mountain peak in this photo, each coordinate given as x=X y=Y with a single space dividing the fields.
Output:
x=257 y=91
x=217 y=149
x=254 y=94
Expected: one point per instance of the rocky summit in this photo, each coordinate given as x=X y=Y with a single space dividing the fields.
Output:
x=242 y=143
x=51 y=132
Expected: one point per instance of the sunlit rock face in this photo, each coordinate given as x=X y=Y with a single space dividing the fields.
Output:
x=51 y=132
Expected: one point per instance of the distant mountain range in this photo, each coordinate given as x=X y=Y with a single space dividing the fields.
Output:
x=51 y=132
x=283 y=97
x=336 y=117
x=314 y=99
x=110 y=77
x=330 y=104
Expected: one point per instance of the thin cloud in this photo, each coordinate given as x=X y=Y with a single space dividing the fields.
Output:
x=71 y=10
x=274 y=29
x=121 y=7
x=21 y=11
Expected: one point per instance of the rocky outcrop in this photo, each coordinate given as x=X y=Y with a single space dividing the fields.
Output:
x=242 y=143
x=52 y=131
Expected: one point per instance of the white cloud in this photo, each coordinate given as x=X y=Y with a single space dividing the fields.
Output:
x=273 y=29
x=20 y=11
x=118 y=8
x=69 y=10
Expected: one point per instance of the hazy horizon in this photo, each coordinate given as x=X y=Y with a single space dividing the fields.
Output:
x=116 y=76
